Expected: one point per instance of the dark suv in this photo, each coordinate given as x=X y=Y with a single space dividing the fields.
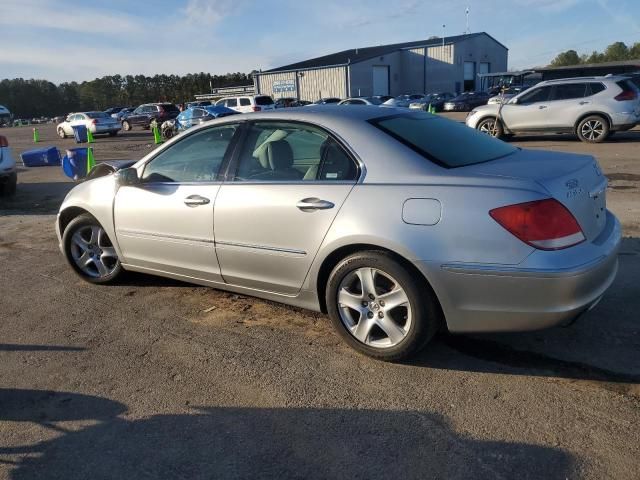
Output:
x=145 y=114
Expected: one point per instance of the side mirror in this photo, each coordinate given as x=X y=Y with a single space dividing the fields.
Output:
x=127 y=177
x=513 y=101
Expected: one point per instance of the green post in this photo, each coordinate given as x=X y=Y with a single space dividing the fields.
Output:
x=36 y=135
x=91 y=161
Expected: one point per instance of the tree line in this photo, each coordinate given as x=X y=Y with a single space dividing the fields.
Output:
x=36 y=98
x=617 y=51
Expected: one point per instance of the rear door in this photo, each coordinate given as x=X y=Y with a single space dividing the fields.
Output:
x=567 y=103
x=280 y=198
x=165 y=223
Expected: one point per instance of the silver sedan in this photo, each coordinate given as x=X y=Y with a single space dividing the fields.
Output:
x=395 y=223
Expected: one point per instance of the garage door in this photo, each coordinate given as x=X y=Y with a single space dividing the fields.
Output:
x=381 y=80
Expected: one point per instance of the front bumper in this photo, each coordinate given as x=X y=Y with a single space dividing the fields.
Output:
x=484 y=298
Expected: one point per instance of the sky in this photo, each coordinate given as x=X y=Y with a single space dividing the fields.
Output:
x=64 y=40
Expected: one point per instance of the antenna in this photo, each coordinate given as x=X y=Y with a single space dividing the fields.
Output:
x=467 y=14
x=443 y=33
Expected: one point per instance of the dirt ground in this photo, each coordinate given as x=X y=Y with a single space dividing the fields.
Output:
x=159 y=379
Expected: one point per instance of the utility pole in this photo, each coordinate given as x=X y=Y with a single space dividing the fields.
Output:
x=443 y=33
x=467 y=13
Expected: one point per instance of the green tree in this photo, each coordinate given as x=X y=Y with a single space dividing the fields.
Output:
x=570 y=57
x=616 y=51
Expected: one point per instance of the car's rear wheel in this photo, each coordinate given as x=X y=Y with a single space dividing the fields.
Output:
x=379 y=308
x=8 y=188
x=61 y=133
x=126 y=125
x=89 y=250
x=593 y=129
x=491 y=126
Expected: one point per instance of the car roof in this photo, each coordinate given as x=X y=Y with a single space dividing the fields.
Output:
x=607 y=78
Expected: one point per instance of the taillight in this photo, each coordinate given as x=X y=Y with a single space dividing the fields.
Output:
x=257 y=109
x=3 y=141
x=543 y=224
x=94 y=121
x=626 y=95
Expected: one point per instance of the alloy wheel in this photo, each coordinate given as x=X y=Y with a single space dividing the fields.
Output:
x=93 y=252
x=592 y=129
x=489 y=127
x=374 y=308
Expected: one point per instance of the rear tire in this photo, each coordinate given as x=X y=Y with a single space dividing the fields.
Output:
x=61 y=133
x=9 y=187
x=401 y=313
x=89 y=251
x=491 y=126
x=593 y=129
x=126 y=126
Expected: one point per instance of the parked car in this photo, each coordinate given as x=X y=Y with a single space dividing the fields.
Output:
x=404 y=100
x=198 y=115
x=590 y=107
x=145 y=114
x=461 y=231
x=247 y=103
x=436 y=100
x=122 y=114
x=504 y=97
x=113 y=110
x=361 y=101
x=287 y=102
x=199 y=103
x=466 y=101
x=8 y=173
x=5 y=116
x=326 y=101
x=383 y=98
x=96 y=122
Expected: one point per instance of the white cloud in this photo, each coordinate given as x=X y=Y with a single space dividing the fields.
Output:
x=211 y=12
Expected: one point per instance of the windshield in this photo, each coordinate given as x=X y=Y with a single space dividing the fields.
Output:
x=445 y=142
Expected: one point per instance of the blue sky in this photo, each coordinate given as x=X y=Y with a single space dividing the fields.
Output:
x=64 y=40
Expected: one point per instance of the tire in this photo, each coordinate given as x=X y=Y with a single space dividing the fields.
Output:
x=126 y=126
x=85 y=241
x=491 y=126
x=593 y=129
x=113 y=134
x=61 y=133
x=389 y=333
x=8 y=189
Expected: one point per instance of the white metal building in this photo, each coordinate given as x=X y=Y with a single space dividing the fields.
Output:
x=451 y=64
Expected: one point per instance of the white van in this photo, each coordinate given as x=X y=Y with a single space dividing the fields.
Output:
x=247 y=104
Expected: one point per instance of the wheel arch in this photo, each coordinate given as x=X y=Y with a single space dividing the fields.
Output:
x=340 y=253
x=606 y=116
x=68 y=214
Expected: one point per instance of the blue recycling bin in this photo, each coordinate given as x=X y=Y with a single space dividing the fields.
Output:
x=80 y=133
x=41 y=157
x=74 y=163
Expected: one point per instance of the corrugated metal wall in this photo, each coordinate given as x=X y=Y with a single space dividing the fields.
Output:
x=312 y=84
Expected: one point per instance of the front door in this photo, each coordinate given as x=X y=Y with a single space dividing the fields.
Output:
x=530 y=111
x=271 y=216
x=165 y=223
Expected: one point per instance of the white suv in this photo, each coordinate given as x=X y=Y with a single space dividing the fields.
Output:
x=8 y=175
x=247 y=104
x=590 y=107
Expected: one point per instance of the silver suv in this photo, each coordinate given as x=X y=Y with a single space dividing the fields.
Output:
x=590 y=107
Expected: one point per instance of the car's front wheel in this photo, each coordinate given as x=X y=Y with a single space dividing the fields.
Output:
x=491 y=126
x=379 y=307
x=593 y=129
x=61 y=133
x=126 y=125
x=89 y=250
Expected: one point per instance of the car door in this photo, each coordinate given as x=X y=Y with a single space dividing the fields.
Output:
x=529 y=112
x=281 y=195
x=67 y=125
x=567 y=104
x=165 y=223
x=232 y=103
x=245 y=105
x=135 y=118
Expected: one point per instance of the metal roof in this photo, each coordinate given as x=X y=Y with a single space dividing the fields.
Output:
x=356 y=55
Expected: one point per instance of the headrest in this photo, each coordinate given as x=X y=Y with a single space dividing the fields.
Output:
x=280 y=155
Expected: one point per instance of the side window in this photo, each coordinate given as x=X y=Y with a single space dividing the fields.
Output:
x=245 y=102
x=232 y=102
x=570 y=91
x=594 y=88
x=276 y=151
x=198 y=113
x=538 y=95
x=196 y=158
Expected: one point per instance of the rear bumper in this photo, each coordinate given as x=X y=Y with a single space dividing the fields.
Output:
x=624 y=120
x=482 y=298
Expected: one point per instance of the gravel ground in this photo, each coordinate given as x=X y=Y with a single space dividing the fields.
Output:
x=159 y=379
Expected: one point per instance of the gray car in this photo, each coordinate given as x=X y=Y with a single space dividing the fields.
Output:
x=396 y=223
x=590 y=107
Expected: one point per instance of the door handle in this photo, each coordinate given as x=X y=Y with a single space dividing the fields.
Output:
x=195 y=200
x=585 y=103
x=308 y=204
x=542 y=107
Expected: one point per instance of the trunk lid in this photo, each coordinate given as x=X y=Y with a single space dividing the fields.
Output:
x=574 y=180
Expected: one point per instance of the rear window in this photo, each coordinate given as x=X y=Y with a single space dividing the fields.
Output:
x=97 y=115
x=445 y=142
x=264 y=101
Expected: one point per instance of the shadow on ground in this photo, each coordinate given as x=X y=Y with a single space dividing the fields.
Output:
x=40 y=198
x=258 y=443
